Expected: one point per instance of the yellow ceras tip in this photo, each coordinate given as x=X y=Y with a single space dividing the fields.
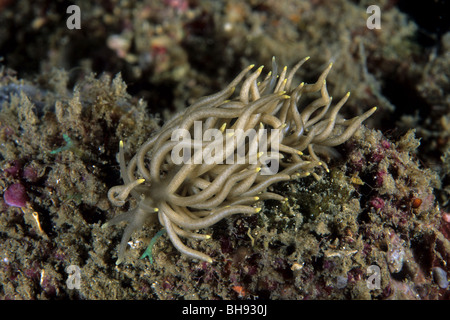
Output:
x=256 y=198
x=299 y=153
x=155 y=210
x=222 y=128
x=120 y=144
x=257 y=210
x=207 y=236
x=139 y=181
x=258 y=169
x=260 y=68
x=251 y=66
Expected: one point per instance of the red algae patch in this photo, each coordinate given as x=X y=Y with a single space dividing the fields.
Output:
x=16 y=195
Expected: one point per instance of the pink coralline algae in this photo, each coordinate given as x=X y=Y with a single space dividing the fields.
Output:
x=377 y=203
x=13 y=169
x=30 y=174
x=16 y=195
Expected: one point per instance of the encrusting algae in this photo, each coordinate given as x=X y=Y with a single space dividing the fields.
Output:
x=384 y=202
x=191 y=184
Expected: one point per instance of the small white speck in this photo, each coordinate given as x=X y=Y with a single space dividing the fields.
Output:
x=227 y=27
